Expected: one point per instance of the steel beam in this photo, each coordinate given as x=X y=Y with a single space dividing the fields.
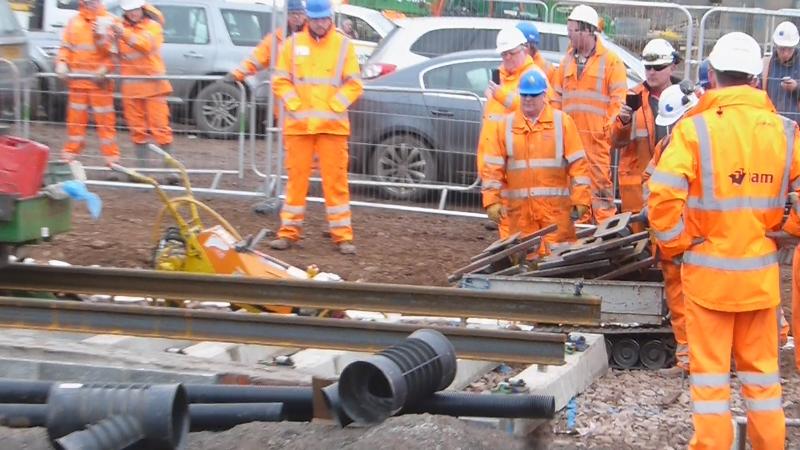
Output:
x=269 y=329
x=387 y=298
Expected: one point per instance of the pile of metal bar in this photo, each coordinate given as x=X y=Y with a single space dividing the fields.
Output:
x=611 y=251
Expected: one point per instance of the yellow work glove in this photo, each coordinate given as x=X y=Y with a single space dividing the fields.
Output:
x=496 y=212
x=578 y=211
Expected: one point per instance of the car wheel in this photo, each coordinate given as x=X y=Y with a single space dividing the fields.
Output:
x=404 y=158
x=216 y=111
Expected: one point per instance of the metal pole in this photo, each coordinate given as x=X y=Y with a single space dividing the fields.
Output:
x=269 y=329
x=394 y=298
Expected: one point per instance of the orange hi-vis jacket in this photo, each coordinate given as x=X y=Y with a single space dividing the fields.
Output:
x=545 y=65
x=140 y=55
x=261 y=57
x=505 y=100
x=636 y=144
x=82 y=50
x=542 y=162
x=317 y=79
x=594 y=98
x=719 y=187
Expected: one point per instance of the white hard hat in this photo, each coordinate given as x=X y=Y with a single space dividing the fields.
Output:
x=658 y=52
x=584 y=13
x=736 y=52
x=130 y=5
x=673 y=104
x=786 y=35
x=510 y=38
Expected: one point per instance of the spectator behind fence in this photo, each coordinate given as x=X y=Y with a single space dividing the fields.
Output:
x=782 y=71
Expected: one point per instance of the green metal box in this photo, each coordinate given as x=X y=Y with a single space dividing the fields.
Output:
x=33 y=218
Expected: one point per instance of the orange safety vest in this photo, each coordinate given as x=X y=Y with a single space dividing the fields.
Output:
x=543 y=161
x=317 y=79
x=261 y=57
x=636 y=143
x=82 y=50
x=545 y=65
x=718 y=188
x=594 y=98
x=504 y=101
x=140 y=55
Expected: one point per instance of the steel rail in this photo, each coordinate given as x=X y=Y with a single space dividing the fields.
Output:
x=387 y=298
x=269 y=329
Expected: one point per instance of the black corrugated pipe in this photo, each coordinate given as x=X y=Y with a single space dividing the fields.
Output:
x=375 y=388
x=27 y=415
x=24 y=391
x=297 y=403
x=467 y=404
x=161 y=411
x=112 y=433
x=217 y=417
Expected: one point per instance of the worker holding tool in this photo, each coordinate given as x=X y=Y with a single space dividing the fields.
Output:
x=590 y=85
x=503 y=98
x=535 y=171
x=86 y=49
x=144 y=101
x=261 y=57
x=717 y=202
x=533 y=39
x=317 y=78
x=635 y=132
x=673 y=103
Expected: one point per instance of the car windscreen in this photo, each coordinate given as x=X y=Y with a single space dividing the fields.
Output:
x=246 y=28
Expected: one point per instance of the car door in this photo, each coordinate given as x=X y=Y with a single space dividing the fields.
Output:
x=188 y=45
x=457 y=117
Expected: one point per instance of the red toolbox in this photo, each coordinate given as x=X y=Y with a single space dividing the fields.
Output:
x=22 y=166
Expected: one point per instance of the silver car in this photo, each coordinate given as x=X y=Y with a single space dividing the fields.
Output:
x=13 y=50
x=201 y=37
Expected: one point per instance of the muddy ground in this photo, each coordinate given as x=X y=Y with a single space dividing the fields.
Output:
x=622 y=410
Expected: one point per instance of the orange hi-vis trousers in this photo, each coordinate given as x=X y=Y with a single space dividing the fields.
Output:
x=752 y=336
x=146 y=117
x=673 y=290
x=333 y=160
x=101 y=101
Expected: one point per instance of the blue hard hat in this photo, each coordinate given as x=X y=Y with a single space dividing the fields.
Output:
x=319 y=9
x=702 y=74
x=533 y=82
x=530 y=32
x=295 y=6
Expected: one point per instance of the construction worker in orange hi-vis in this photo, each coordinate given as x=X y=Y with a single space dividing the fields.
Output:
x=635 y=133
x=717 y=201
x=144 y=100
x=317 y=78
x=534 y=170
x=86 y=51
x=502 y=97
x=533 y=38
x=261 y=57
x=590 y=85
x=673 y=103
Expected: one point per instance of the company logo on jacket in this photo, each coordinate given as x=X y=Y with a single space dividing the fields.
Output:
x=738 y=177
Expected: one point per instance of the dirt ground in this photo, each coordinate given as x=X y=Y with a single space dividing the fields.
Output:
x=621 y=410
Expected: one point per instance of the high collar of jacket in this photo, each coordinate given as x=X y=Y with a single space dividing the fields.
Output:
x=505 y=74
x=721 y=98
x=572 y=66
x=325 y=37
x=522 y=123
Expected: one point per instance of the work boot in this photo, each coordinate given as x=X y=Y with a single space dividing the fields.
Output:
x=673 y=372
x=280 y=244
x=347 y=248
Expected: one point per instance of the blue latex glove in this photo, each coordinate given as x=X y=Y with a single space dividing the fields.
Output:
x=77 y=191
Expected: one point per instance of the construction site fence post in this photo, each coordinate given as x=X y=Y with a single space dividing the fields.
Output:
x=628 y=23
x=17 y=83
